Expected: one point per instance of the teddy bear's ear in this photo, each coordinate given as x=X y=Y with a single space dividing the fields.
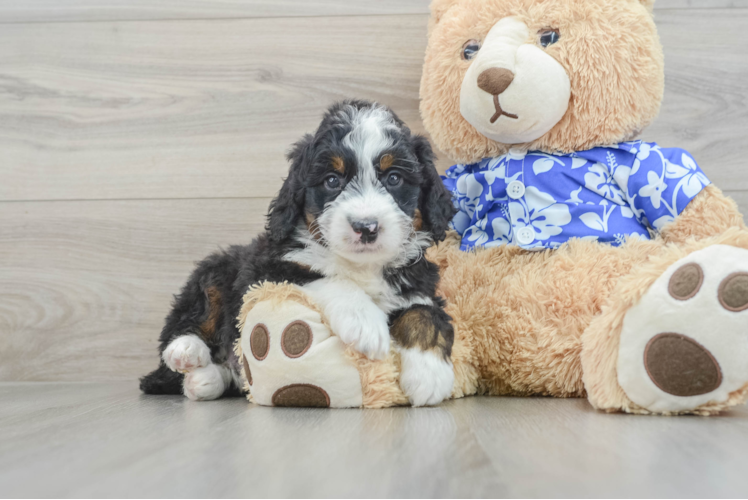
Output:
x=439 y=8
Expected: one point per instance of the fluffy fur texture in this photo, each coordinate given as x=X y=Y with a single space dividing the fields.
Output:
x=552 y=322
x=609 y=49
x=350 y=225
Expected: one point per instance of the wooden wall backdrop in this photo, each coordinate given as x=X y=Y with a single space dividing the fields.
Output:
x=136 y=136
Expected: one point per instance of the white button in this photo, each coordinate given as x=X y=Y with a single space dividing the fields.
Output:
x=517 y=153
x=515 y=190
x=525 y=236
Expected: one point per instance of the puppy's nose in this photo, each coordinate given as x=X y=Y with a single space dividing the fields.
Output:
x=495 y=80
x=367 y=229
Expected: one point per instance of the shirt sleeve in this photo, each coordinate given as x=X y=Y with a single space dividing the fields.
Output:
x=661 y=183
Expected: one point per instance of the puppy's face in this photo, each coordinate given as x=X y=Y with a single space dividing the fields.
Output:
x=364 y=187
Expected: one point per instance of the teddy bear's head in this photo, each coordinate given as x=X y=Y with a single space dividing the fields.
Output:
x=549 y=75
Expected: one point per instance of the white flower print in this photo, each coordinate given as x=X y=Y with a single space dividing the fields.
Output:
x=476 y=236
x=641 y=155
x=600 y=180
x=502 y=230
x=692 y=180
x=653 y=190
x=544 y=215
x=662 y=222
x=608 y=194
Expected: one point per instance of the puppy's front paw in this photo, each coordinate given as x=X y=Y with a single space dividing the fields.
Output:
x=365 y=328
x=425 y=377
x=186 y=353
x=207 y=383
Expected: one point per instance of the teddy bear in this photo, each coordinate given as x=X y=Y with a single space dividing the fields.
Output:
x=583 y=262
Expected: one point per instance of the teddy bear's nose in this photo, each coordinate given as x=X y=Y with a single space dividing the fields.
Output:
x=495 y=80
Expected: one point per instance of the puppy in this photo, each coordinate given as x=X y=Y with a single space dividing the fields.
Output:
x=350 y=225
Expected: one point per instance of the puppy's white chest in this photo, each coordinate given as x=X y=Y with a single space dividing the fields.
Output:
x=380 y=292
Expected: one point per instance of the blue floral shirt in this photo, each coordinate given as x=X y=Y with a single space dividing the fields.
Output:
x=537 y=200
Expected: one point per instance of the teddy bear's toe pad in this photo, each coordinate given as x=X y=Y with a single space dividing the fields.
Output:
x=681 y=366
x=307 y=395
x=685 y=343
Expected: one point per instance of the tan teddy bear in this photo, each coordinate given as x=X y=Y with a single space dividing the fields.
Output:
x=584 y=263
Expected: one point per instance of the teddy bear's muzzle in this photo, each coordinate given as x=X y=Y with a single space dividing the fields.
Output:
x=495 y=81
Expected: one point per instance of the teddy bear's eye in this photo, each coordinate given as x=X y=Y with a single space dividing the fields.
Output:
x=469 y=49
x=549 y=37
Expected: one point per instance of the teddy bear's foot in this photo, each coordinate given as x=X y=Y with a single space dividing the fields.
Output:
x=290 y=357
x=684 y=346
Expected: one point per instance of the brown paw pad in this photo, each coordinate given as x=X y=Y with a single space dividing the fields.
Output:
x=686 y=282
x=733 y=292
x=681 y=366
x=259 y=341
x=301 y=395
x=296 y=339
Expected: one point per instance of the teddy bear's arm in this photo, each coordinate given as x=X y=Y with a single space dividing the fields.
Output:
x=710 y=213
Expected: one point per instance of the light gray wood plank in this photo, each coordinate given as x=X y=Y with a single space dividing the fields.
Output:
x=26 y=11
x=106 y=440
x=195 y=109
x=85 y=286
x=15 y=11
x=701 y=4
x=705 y=110
x=185 y=109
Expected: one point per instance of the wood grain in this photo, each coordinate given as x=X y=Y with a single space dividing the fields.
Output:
x=185 y=109
x=84 y=286
x=14 y=11
x=106 y=440
x=197 y=109
x=36 y=11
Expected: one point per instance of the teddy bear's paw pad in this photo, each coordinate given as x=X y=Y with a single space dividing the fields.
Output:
x=306 y=395
x=685 y=343
x=290 y=358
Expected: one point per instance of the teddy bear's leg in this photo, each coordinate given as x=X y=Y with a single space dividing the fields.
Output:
x=673 y=337
x=710 y=213
x=290 y=356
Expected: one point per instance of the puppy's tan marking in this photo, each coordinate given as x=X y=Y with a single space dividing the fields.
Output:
x=215 y=302
x=313 y=226
x=417 y=220
x=338 y=164
x=418 y=328
x=415 y=328
x=386 y=162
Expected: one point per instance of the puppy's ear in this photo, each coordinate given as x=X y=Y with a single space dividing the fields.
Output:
x=288 y=207
x=435 y=204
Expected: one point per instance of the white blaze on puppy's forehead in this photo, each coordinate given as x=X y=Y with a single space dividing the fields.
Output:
x=369 y=139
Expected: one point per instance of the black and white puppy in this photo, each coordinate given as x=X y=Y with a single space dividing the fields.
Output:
x=350 y=225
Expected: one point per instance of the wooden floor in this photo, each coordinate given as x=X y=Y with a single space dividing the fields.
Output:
x=107 y=440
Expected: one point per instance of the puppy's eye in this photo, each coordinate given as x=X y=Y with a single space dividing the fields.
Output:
x=394 y=179
x=332 y=182
x=549 y=37
x=469 y=49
